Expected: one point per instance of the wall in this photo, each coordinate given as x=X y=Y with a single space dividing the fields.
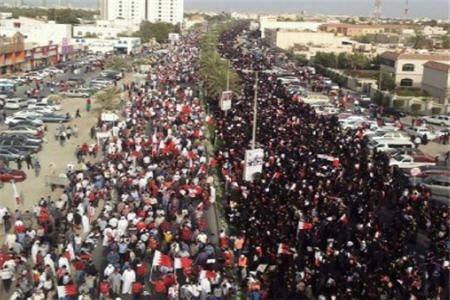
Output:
x=415 y=75
x=273 y=24
x=437 y=84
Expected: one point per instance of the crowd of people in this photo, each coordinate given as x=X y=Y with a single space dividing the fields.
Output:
x=132 y=223
x=326 y=219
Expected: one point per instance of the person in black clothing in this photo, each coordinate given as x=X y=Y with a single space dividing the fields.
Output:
x=19 y=163
x=28 y=161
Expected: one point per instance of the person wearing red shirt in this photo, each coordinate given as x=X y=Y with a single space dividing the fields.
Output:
x=141 y=269
x=137 y=289
x=160 y=287
x=104 y=289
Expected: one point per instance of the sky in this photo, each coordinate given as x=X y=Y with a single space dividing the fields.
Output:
x=391 y=8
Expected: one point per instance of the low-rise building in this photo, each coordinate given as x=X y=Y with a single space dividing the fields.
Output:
x=408 y=68
x=35 y=31
x=361 y=29
x=286 y=39
x=272 y=23
x=126 y=45
x=436 y=80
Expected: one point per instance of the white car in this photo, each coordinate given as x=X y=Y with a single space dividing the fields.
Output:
x=39 y=109
x=394 y=135
x=54 y=70
x=16 y=103
x=421 y=132
x=407 y=162
x=23 y=129
x=28 y=113
x=12 y=120
x=77 y=93
x=44 y=107
x=442 y=120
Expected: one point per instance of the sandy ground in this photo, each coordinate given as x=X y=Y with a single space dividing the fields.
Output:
x=33 y=188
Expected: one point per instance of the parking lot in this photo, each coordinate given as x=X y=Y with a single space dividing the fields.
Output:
x=53 y=158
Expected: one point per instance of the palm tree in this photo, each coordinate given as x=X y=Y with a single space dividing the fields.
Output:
x=108 y=99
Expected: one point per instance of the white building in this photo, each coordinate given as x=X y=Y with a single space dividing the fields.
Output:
x=35 y=31
x=408 y=68
x=272 y=23
x=123 y=44
x=168 y=11
x=123 y=9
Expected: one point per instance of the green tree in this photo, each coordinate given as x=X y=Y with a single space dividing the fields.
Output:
x=108 y=99
x=159 y=31
x=445 y=42
x=387 y=81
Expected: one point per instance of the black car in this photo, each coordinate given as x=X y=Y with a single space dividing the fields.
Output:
x=21 y=146
x=392 y=112
x=76 y=80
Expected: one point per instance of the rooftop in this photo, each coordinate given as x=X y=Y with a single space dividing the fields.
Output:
x=417 y=56
x=437 y=66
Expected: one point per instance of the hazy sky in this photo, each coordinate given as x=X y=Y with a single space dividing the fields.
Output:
x=391 y=8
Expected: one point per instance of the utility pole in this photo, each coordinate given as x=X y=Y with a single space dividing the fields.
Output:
x=255 y=111
x=380 y=77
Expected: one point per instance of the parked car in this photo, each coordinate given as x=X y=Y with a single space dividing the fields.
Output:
x=10 y=155
x=15 y=103
x=27 y=123
x=27 y=113
x=420 y=132
x=6 y=175
x=386 y=145
x=395 y=135
x=24 y=129
x=427 y=171
x=53 y=118
x=75 y=80
x=13 y=120
x=20 y=80
x=392 y=112
x=404 y=161
x=78 y=93
x=54 y=70
x=438 y=185
x=417 y=154
x=442 y=120
x=44 y=107
x=28 y=138
x=21 y=146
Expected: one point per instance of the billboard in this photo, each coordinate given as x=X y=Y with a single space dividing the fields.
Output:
x=225 y=100
x=254 y=160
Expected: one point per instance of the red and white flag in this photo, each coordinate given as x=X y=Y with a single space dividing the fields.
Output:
x=69 y=253
x=304 y=225
x=182 y=263
x=344 y=219
x=283 y=249
x=318 y=258
x=207 y=274
x=66 y=290
x=160 y=259
x=276 y=175
x=16 y=194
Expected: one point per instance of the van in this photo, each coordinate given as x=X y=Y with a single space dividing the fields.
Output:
x=385 y=145
x=16 y=103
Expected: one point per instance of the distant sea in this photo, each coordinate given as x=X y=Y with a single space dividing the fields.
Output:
x=436 y=9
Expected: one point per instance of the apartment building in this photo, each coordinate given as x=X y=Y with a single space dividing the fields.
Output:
x=168 y=11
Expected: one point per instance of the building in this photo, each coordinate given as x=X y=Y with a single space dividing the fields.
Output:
x=123 y=9
x=407 y=68
x=12 y=54
x=272 y=23
x=285 y=39
x=361 y=29
x=41 y=33
x=126 y=45
x=168 y=11
x=436 y=80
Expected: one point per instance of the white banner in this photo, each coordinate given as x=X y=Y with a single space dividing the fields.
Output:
x=254 y=160
x=225 y=100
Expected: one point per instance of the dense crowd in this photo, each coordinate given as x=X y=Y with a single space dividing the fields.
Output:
x=326 y=219
x=132 y=222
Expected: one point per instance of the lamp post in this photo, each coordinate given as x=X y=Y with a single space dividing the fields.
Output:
x=255 y=111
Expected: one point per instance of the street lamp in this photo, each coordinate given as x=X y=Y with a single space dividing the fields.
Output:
x=255 y=106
